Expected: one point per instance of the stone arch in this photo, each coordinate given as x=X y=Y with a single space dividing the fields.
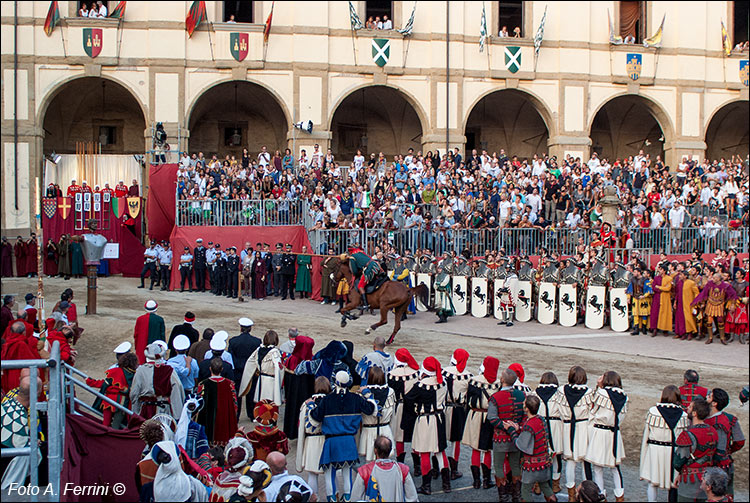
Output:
x=520 y=133
x=626 y=123
x=727 y=129
x=398 y=123
x=81 y=108
x=260 y=117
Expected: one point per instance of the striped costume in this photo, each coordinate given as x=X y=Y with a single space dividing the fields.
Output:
x=696 y=450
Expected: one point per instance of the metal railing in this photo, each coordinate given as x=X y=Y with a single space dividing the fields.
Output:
x=528 y=240
x=61 y=397
x=239 y=212
x=54 y=407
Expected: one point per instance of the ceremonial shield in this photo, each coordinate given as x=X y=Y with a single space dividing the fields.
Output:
x=568 y=305
x=460 y=294
x=513 y=59
x=634 y=63
x=595 y=296
x=523 y=307
x=546 y=304
x=63 y=204
x=496 y=286
x=413 y=278
x=134 y=206
x=745 y=72
x=119 y=206
x=92 y=41
x=426 y=279
x=238 y=45
x=49 y=206
x=618 y=309
x=479 y=299
x=381 y=51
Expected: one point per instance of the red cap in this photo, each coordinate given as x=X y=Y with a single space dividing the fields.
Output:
x=431 y=367
x=459 y=359
x=490 y=365
x=518 y=369
x=190 y=318
x=404 y=356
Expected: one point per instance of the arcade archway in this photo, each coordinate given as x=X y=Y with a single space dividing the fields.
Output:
x=727 y=132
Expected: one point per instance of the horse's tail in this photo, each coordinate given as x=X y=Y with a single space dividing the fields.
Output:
x=423 y=294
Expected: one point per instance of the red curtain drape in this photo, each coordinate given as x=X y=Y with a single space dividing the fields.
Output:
x=630 y=13
x=160 y=205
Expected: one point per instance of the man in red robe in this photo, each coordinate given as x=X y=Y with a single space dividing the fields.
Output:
x=15 y=347
x=19 y=250
x=267 y=437
x=85 y=188
x=121 y=190
x=32 y=264
x=73 y=189
x=149 y=328
x=219 y=412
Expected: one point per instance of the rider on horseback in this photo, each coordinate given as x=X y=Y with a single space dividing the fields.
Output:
x=363 y=267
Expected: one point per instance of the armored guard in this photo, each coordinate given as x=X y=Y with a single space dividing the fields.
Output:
x=443 y=300
x=548 y=293
x=526 y=275
x=618 y=299
x=570 y=277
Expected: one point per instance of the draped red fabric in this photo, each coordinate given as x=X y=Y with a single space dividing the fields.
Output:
x=131 y=250
x=296 y=235
x=160 y=205
x=630 y=13
x=89 y=450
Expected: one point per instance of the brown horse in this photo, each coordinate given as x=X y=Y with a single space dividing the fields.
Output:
x=391 y=295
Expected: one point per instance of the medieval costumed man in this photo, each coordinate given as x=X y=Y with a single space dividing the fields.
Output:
x=401 y=273
x=401 y=378
x=690 y=389
x=685 y=292
x=695 y=451
x=661 y=306
x=443 y=301
x=640 y=293
x=530 y=437
x=149 y=328
x=262 y=374
x=506 y=405
x=424 y=418
x=310 y=437
x=238 y=456
x=716 y=294
x=156 y=388
x=478 y=430
x=729 y=432
x=266 y=437
x=548 y=409
x=364 y=269
x=737 y=320
x=171 y=483
x=573 y=402
x=340 y=414
x=508 y=296
x=606 y=449
x=116 y=387
x=665 y=421
x=379 y=423
x=219 y=413
x=457 y=381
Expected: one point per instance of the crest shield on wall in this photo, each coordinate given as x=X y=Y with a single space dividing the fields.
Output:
x=92 y=41
x=513 y=59
x=634 y=64
x=134 y=206
x=238 y=45
x=745 y=73
x=49 y=206
x=381 y=51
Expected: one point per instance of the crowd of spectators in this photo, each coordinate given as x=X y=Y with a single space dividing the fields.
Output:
x=424 y=191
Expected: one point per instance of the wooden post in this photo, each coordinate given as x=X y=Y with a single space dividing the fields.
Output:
x=91 y=289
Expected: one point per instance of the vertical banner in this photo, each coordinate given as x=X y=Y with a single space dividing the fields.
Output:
x=78 y=211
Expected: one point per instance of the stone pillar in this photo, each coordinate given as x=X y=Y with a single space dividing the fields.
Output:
x=297 y=139
x=435 y=140
x=577 y=146
x=675 y=150
x=610 y=205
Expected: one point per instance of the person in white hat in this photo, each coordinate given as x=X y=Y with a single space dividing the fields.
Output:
x=145 y=398
x=186 y=367
x=217 y=350
x=121 y=349
x=225 y=355
x=241 y=347
x=117 y=380
x=149 y=328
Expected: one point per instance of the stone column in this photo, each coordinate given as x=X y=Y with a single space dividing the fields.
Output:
x=675 y=150
x=577 y=146
x=610 y=205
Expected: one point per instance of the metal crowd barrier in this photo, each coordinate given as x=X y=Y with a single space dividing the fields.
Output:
x=237 y=212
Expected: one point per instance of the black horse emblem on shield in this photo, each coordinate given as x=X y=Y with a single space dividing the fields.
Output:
x=479 y=295
x=461 y=294
x=619 y=307
x=594 y=302
x=546 y=300
x=523 y=298
x=568 y=303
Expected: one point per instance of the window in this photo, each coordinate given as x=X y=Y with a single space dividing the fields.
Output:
x=77 y=6
x=510 y=19
x=740 y=16
x=633 y=22
x=107 y=135
x=232 y=136
x=238 y=11
x=378 y=9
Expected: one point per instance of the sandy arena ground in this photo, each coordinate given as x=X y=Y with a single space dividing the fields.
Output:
x=645 y=364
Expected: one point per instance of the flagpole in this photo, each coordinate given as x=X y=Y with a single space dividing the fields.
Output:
x=62 y=37
x=210 y=41
x=119 y=38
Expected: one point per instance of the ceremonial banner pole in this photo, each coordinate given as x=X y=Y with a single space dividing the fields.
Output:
x=39 y=243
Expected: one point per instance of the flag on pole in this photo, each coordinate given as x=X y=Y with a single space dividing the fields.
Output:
x=540 y=34
x=655 y=39
x=354 y=18
x=613 y=39
x=119 y=11
x=196 y=16
x=267 y=27
x=482 y=30
x=406 y=30
x=725 y=43
x=53 y=17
